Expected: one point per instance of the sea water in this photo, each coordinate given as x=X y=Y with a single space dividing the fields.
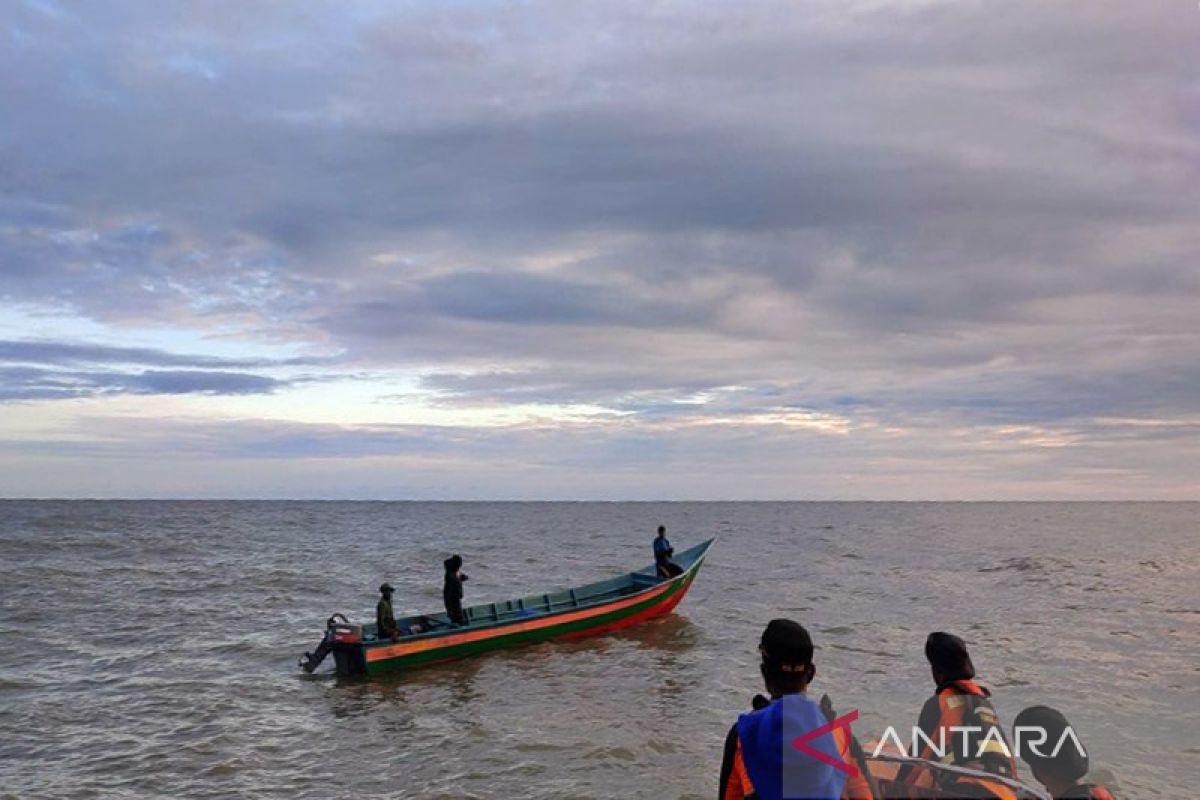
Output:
x=148 y=649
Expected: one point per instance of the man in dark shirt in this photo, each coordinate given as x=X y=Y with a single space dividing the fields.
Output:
x=662 y=555
x=452 y=590
x=385 y=618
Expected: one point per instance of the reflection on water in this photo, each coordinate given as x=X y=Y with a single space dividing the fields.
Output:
x=451 y=684
x=670 y=634
x=148 y=649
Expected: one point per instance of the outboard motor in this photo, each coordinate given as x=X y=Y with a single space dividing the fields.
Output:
x=344 y=639
x=347 y=642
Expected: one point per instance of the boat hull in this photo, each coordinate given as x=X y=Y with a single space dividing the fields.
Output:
x=376 y=658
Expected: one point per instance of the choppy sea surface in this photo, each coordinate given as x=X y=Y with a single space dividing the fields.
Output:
x=148 y=649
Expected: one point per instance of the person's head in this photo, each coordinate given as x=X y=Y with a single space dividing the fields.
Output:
x=787 y=657
x=1055 y=772
x=948 y=658
x=386 y=590
x=662 y=530
x=453 y=563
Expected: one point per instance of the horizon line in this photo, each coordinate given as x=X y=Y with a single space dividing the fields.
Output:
x=45 y=499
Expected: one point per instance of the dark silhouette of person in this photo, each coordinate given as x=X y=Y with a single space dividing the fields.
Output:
x=385 y=618
x=452 y=589
x=663 y=552
x=1062 y=773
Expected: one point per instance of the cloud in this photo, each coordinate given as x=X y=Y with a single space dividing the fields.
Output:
x=26 y=384
x=197 y=381
x=539 y=300
x=57 y=352
x=606 y=458
x=55 y=370
x=931 y=208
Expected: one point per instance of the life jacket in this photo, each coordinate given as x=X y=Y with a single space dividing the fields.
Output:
x=768 y=767
x=1088 y=791
x=738 y=785
x=965 y=704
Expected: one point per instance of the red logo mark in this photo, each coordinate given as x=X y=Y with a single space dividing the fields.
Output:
x=801 y=743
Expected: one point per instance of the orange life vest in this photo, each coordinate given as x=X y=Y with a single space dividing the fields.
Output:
x=964 y=704
x=738 y=786
x=1094 y=792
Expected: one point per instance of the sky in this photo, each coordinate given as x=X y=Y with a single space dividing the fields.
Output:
x=795 y=250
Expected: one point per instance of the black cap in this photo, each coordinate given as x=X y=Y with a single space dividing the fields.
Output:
x=1069 y=764
x=948 y=655
x=386 y=588
x=786 y=644
x=453 y=563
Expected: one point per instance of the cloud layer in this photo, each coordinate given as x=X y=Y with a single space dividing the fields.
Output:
x=859 y=227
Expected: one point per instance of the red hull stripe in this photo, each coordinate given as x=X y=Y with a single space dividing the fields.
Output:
x=408 y=648
x=654 y=611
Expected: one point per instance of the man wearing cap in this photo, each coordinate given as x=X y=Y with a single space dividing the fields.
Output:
x=760 y=761
x=385 y=618
x=959 y=702
x=1062 y=772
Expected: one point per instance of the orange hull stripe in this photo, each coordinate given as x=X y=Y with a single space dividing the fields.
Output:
x=404 y=649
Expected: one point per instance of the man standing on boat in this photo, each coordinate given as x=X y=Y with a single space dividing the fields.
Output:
x=385 y=617
x=663 y=553
x=452 y=589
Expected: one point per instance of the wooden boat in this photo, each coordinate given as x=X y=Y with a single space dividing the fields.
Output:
x=575 y=613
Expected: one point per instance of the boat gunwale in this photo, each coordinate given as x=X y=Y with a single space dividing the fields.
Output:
x=954 y=769
x=700 y=550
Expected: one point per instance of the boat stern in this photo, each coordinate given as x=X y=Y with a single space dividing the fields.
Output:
x=349 y=651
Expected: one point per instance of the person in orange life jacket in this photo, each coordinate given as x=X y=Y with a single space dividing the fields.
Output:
x=960 y=702
x=758 y=762
x=1061 y=774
